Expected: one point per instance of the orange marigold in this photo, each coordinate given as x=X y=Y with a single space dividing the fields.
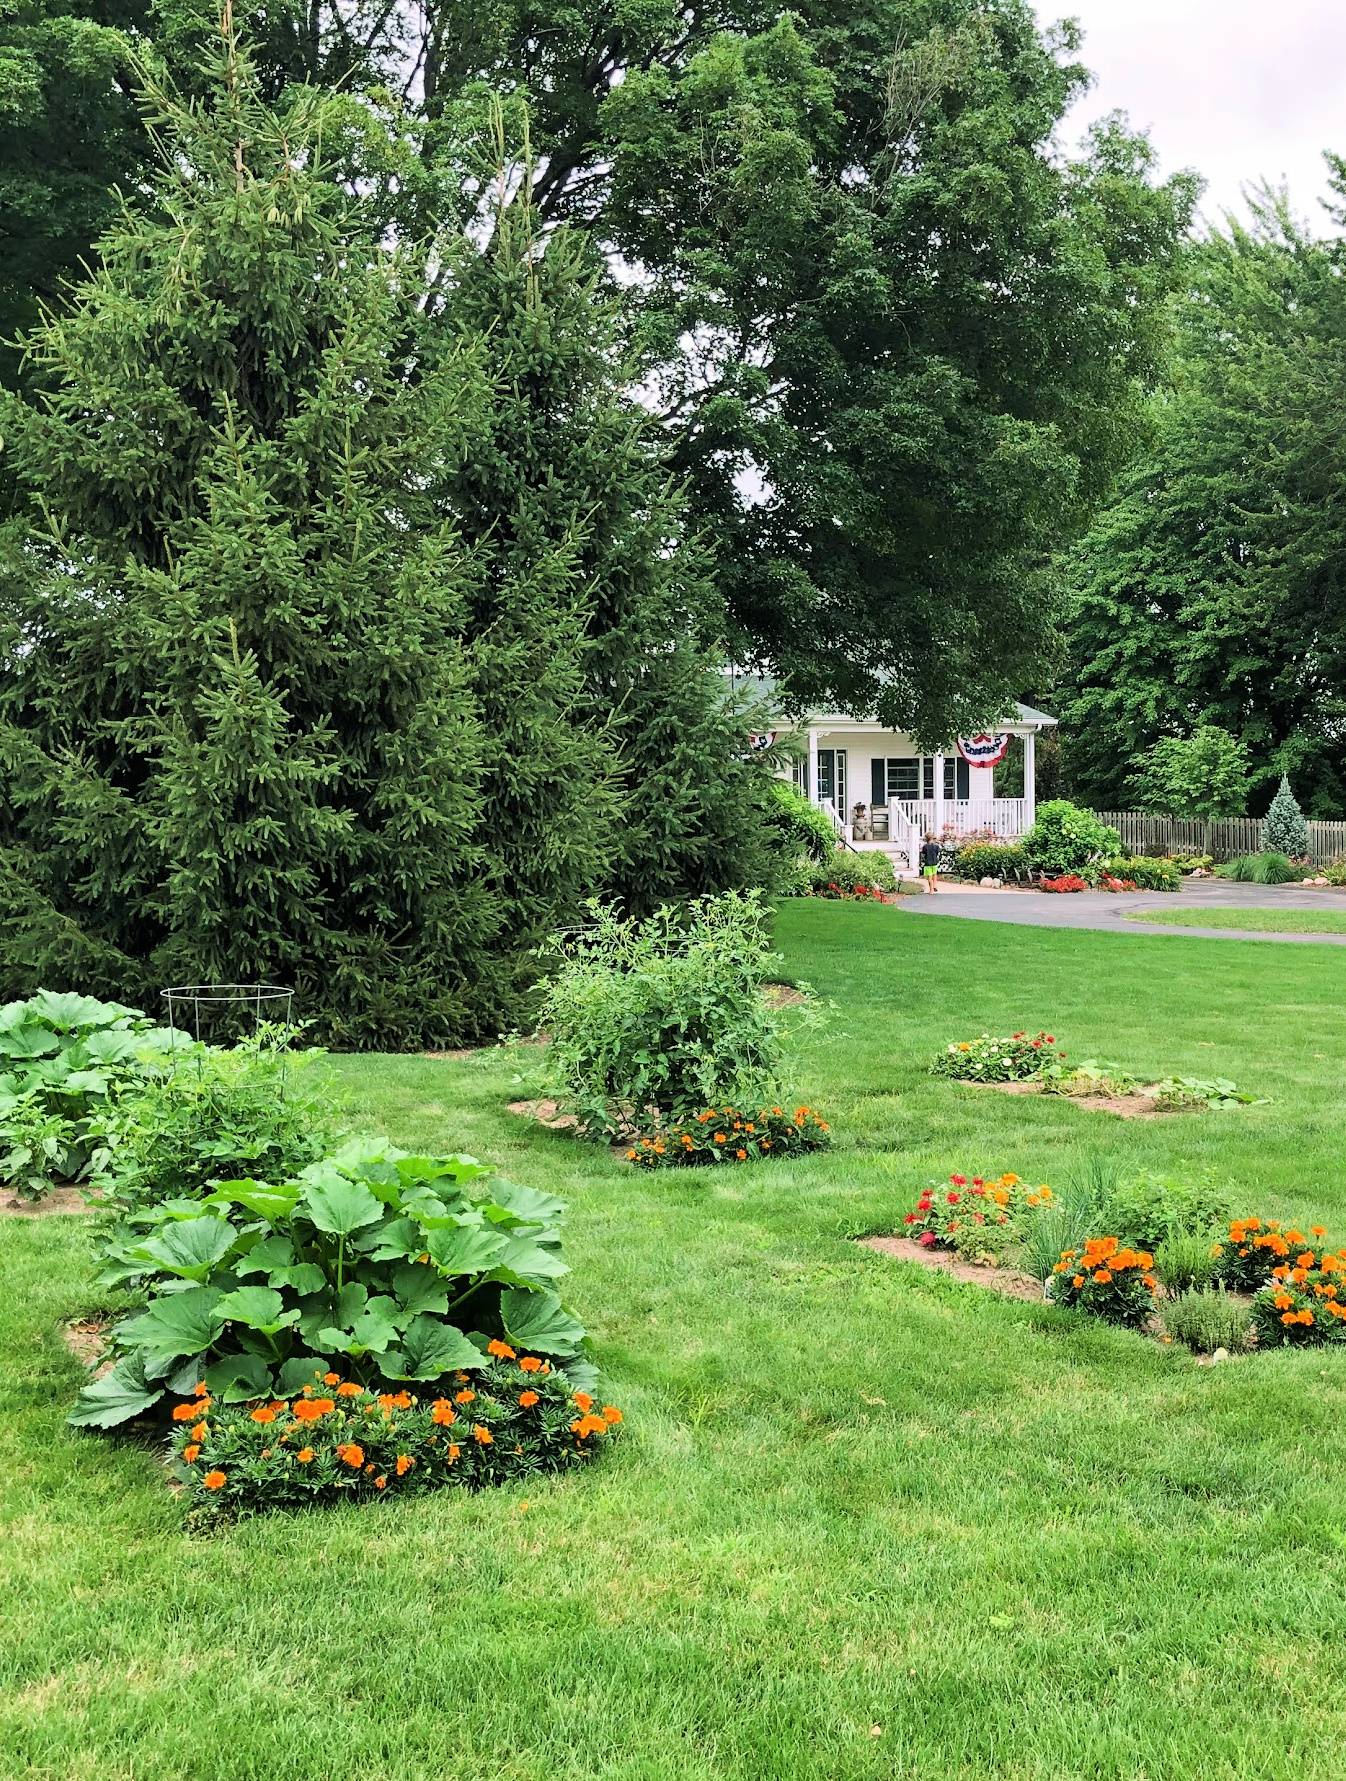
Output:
x=464 y=1396
x=264 y=1414
x=482 y=1436
x=501 y=1350
x=443 y=1411
x=350 y=1453
x=185 y=1412
x=527 y=1399
x=584 y=1401
x=331 y=1379
x=530 y=1364
x=404 y=1464
x=215 y=1480
x=200 y=1431
x=611 y=1413
x=349 y=1390
x=304 y=1455
x=191 y=1451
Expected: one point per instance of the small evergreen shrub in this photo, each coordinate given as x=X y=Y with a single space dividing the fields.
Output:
x=727 y=1135
x=1065 y=839
x=1108 y=1280
x=514 y=1416
x=991 y=859
x=1206 y=1318
x=845 y=875
x=1283 y=827
x=663 y=1017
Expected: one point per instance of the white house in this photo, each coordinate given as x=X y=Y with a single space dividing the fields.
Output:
x=850 y=762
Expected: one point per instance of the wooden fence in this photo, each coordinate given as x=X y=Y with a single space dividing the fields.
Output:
x=1234 y=835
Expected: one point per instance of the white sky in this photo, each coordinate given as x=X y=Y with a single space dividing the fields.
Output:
x=1238 y=90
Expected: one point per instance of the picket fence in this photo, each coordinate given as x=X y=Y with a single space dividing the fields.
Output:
x=1228 y=838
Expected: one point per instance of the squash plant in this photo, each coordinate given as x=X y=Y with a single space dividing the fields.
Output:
x=60 y=1055
x=387 y=1266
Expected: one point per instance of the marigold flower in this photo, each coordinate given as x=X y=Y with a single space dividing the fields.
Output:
x=742 y=1155
x=1317 y=1230
x=304 y=1455
x=1078 y=1281
x=200 y=1431
x=453 y=1453
x=527 y=1399
x=185 y=1412
x=584 y=1401
x=588 y=1425
x=331 y=1379
x=443 y=1411
x=201 y=1388
x=1102 y=1277
x=215 y=1480
x=381 y=1482
x=310 y=1409
x=611 y=1413
x=191 y=1451
x=263 y=1414
x=721 y=1137
x=464 y=1396
x=350 y=1453
x=530 y=1364
x=404 y=1464
x=482 y=1436
x=349 y=1390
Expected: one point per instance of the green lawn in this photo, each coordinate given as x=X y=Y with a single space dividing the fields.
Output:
x=1266 y=921
x=865 y=1522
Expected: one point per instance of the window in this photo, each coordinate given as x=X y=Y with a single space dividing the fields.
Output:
x=902 y=777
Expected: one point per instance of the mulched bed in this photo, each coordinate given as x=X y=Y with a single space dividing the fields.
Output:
x=85 y=1337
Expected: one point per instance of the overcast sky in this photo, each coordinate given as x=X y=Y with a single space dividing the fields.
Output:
x=1237 y=89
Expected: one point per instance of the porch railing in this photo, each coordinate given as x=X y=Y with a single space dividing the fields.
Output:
x=1005 y=818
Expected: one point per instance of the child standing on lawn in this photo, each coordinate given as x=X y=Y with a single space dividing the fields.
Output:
x=930 y=864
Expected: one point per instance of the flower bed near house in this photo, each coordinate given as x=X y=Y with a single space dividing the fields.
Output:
x=1018 y=1058
x=728 y=1135
x=338 y=1440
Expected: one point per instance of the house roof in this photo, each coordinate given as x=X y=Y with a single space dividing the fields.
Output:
x=765 y=687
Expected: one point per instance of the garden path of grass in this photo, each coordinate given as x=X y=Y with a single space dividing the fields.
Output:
x=866 y=1522
x=1267 y=921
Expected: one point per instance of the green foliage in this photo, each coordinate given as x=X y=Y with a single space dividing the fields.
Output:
x=1021 y=1057
x=398 y=1267
x=727 y=1135
x=1259 y=868
x=61 y=1057
x=1065 y=839
x=1172 y=1093
x=1283 y=827
x=799 y=825
x=1063 y=1222
x=844 y=874
x=339 y=1444
x=1148 y=1211
x=663 y=1015
x=1304 y=1310
x=1206 y=1318
x=1204 y=775
x=992 y=859
x=1145 y=874
x=1186 y=1260
x=262 y=1108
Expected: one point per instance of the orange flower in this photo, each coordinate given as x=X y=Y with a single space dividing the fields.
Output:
x=381 y=1482
x=331 y=1379
x=201 y=1388
x=404 y=1464
x=215 y=1480
x=263 y=1414
x=310 y=1409
x=349 y=1390
x=185 y=1412
x=482 y=1436
x=454 y=1452
x=584 y=1401
x=351 y=1454
x=527 y=1399
x=1078 y=1282
x=443 y=1411
x=721 y=1137
x=501 y=1350
x=1102 y=1277
x=611 y=1413
x=742 y=1155
x=304 y=1455
x=464 y=1396
x=201 y=1430
x=588 y=1425
x=530 y=1364
x=190 y=1452
x=1317 y=1230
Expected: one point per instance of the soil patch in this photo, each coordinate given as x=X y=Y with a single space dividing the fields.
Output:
x=942 y=1261
x=782 y=995
x=85 y=1338
x=449 y=1057
x=547 y=1113
x=55 y=1204
x=1124 y=1106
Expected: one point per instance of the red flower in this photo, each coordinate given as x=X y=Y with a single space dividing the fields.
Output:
x=926 y=1239
x=912 y=1218
x=959 y=1180
x=953 y=1199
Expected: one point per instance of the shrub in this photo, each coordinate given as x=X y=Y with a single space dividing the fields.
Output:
x=61 y=1056
x=1192 y=862
x=1149 y=1212
x=513 y=1416
x=1089 y=1077
x=979 y=1218
x=1069 y=881
x=1335 y=874
x=1065 y=839
x=1019 y=1058
x=1260 y=868
x=798 y=825
x=1303 y=1305
x=1257 y=1250
x=372 y=1260
x=852 y=875
x=663 y=1016
x=1144 y=874
x=1184 y=1261
x=1107 y=1280
x=1284 y=830
x=1173 y=1092
x=991 y=859
x=725 y=1135
x=1206 y=1319
x=259 y=1109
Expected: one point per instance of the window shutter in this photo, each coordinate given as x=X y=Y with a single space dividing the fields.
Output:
x=878 y=782
x=964 y=783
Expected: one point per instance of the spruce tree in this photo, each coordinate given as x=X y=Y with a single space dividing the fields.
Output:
x=1283 y=827
x=237 y=720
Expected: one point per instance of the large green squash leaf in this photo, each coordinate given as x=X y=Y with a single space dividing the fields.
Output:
x=236 y=1378
x=374 y=1331
x=257 y=1197
x=259 y=1307
x=465 y=1249
x=523 y=1261
x=512 y=1203
x=420 y=1289
x=121 y=1393
x=28 y=1041
x=189 y=1247
x=176 y=1323
x=538 y=1320
x=69 y=1011
x=271 y=1256
x=429 y=1348
x=338 y=1205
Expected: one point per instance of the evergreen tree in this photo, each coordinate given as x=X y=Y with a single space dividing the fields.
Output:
x=237 y=721
x=1283 y=827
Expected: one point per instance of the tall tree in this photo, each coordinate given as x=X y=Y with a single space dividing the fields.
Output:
x=1213 y=589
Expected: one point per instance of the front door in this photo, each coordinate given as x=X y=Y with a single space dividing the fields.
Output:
x=832 y=779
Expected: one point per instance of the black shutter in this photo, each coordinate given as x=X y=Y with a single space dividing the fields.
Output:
x=964 y=782
x=878 y=782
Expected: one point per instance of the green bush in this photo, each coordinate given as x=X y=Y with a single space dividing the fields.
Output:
x=1145 y=874
x=260 y=1109
x=1148 y=1211
x=1335 y=873
x=1206 y=1319
x=61 y=1056
x=845 y=874
x=513 y=1416
x=373 y=1261
x=798 y=826
x=1185 y=1260
x=991 y=859
x=1108 y=1279
x=1259 y=868
x=662 y=1017
x=1065 y=838
x=1192 y=862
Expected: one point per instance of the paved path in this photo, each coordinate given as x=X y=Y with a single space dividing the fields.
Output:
x=1106 y=912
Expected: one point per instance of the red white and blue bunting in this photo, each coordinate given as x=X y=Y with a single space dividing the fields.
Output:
x=984 y=750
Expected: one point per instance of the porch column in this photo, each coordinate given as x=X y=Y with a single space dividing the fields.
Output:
x=1030 y=779
x=813 y=767
x=939 y=797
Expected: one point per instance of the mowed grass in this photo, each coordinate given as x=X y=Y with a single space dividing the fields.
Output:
x=1266 y=921
x=865 y=1523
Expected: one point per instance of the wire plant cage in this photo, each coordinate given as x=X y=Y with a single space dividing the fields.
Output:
x=226 y=1013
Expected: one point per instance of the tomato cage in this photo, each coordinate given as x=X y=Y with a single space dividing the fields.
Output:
x=225 y=1013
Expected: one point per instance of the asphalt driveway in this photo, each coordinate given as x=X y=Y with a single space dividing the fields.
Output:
x=1106 y=912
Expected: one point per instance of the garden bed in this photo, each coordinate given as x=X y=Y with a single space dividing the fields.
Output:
x=942 y=1261
x=1137 y=1106
x=55 y=1202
